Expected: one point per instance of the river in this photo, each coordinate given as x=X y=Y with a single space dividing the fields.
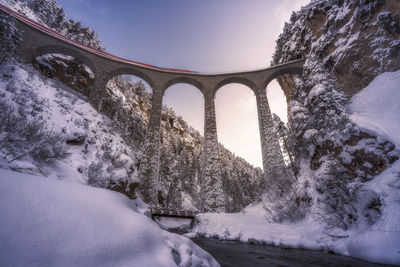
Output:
x=233 y=253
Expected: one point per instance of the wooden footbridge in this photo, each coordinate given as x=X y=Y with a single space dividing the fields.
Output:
x=163 y=212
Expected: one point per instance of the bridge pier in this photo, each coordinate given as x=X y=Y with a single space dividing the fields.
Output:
x=98 y=90
x=150 y=162
x=272 y=157
x=211 y=180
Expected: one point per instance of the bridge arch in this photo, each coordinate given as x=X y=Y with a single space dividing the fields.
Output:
x=278 y=90
x=184 y=80
x=54 y=49
x=129 y=71
x=192 y=108
x=283 y=71
x=237 y=121
x=277 y=75
x=239 y=80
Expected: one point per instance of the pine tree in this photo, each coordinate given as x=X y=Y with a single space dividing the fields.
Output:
x=10 y=37
x=283 y=135
x=54 y=17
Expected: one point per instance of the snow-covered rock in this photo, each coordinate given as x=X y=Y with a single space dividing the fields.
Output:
x=68 y=70
x=376 y=107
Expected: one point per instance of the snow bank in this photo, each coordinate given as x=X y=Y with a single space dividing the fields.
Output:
x=376 y=108
x=45 y=222
x=174 y=223
x=251 y=226
x=380 y=243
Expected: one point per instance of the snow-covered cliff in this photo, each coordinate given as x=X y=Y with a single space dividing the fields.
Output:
x=346 y=44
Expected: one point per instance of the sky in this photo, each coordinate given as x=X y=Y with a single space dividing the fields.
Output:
x=209 y=36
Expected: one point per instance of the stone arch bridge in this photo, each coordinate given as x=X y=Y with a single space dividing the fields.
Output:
x=39 y=40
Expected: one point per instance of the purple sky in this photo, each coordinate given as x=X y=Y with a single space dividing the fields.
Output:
x=208 y=36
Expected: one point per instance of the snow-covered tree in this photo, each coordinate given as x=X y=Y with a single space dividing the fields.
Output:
x=52 y=15
x=287 y=147
x=22 y=137
x=337 y=195
x=10 y=37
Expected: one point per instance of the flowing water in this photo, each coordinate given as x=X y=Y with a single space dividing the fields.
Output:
x=233 y=253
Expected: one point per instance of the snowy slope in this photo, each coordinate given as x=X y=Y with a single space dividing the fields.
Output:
x=376 y=109
x=66 y=112
x=44 y=222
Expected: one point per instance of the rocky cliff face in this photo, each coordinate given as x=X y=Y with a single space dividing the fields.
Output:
x=127 y=103
x=346 y=43
x=352 y=42
x=355 y=40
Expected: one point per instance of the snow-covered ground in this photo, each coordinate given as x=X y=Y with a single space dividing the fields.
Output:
x=45 y=222
x=376 y=108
